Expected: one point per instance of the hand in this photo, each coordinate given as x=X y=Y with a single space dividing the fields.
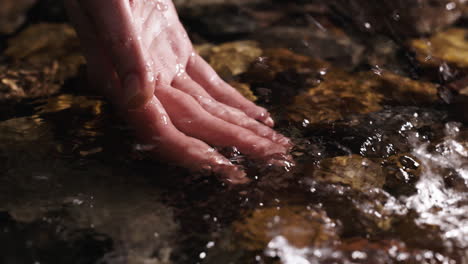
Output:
x=140 y=56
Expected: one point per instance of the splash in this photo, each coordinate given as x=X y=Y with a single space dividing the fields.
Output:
x=436 y=203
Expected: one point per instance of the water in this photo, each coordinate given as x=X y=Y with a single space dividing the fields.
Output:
x=381 y=171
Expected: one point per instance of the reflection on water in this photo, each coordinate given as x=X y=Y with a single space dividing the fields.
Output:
x=382 y=163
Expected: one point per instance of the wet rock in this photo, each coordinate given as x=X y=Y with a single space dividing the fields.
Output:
x=359 y=250
x=323 y=42
x=232 y=58
x=300 y=226
x=218 y=21
x=401 y=17
x=380 y=134
x=280 y=74
x=43 y=57
x=190 y=3
x=445 y=53
x=361 y=213
x=13 y=14
x=26 y=81
x=342 y=94
x=276 y=61
x=46 y=44
x=358 y=172
x=48 y=240
x=402 y=171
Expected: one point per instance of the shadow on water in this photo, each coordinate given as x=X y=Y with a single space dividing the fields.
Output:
x=373 y=96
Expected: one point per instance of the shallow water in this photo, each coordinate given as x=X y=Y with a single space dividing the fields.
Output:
x=381 y=171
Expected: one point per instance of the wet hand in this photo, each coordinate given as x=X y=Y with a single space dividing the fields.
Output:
x=141 y=58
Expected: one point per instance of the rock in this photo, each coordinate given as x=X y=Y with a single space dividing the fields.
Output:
x=401 y=17
x=300 y=226
x=342 y=94
x=361 y=212
x=356 y=171
x=402 y=171
x=324 y=42
x=190 y=3
x=232 y=58
x=280 y=74
x=44 y=56
x=360 y=250
x=13 y=14
x=381 y=134
x=218 y=21
x=445 y=52
x=23 y=80
x=46 y=44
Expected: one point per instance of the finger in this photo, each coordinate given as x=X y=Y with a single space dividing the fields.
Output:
x=114 y=24
x=201 y=72
x=228 y=113
x=155 y=128
x=99 y=66
x=189 y=117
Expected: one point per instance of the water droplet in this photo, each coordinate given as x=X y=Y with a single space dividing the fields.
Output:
x=161 y=6
x=451 y=6
x=180 y=70
x=210 y=244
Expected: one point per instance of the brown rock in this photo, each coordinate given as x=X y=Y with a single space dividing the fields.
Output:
x=44 y=44
x=232 y=58
x=301 y=227
x=449 y=47
x=26 y=81
x=356 y=171
x=401 y=17
x=13 y=14
x=324 y=42
x=402 y=173
x=44 y=56
x=342 y=94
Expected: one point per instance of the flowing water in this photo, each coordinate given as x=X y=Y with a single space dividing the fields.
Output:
x=381 y=151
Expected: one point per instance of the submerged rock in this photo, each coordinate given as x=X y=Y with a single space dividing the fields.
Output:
x=44 y=56
x=402 y=171
x=342 y=94
x=232 y=58
x=324 y=42
x=45 y=44
x=299 y=226
x=445 y=53
x=380 y=134
x=13 y=14
x=401 y=17
x=26 y=81
x=356 y=171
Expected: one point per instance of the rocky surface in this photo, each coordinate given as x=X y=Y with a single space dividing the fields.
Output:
x=43 y=57
x=299 y=227
x=13 y=14
x=401 y=18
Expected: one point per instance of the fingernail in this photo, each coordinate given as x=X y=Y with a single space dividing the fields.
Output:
x=269 y=122
x=132 y=91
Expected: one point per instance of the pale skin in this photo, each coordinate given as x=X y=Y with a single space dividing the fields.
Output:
x=140 y=57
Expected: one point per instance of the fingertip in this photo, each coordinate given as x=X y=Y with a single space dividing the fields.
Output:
x=269 y=122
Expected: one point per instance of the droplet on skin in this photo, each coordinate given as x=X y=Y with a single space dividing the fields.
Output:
x=180 y=69
x=161 y=6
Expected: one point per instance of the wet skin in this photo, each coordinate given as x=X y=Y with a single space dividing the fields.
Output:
x=140 y=57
